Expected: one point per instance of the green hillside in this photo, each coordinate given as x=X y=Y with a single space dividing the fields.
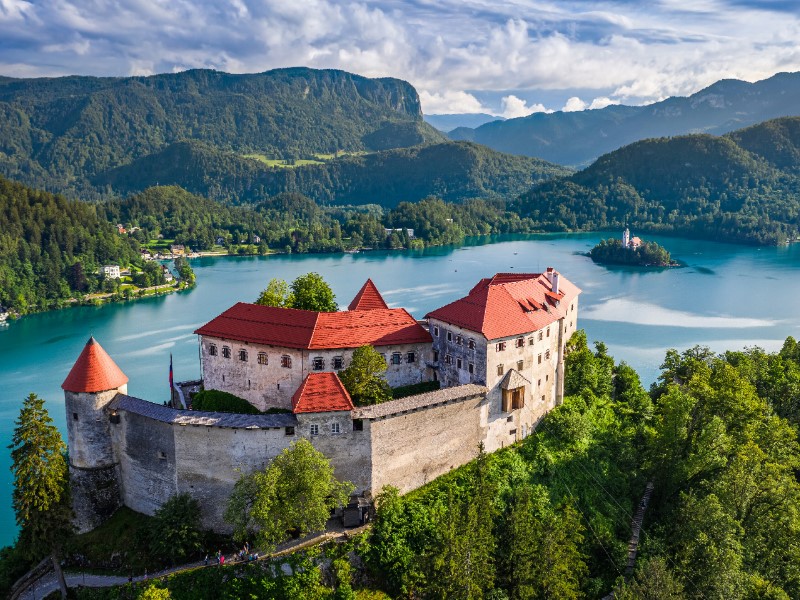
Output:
x=452 y=171
x=58 y=133
x=741 y=187
x=51 y=248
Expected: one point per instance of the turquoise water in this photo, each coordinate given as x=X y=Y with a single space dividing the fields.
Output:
x=727 y=297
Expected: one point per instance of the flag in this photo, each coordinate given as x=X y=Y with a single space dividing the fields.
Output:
x=170 y=371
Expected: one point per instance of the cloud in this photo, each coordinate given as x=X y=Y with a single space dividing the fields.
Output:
x=574 y=104
x=512 y=107
x=450 y=102
x=602 y=102
x=643 y=313
x=620 y=51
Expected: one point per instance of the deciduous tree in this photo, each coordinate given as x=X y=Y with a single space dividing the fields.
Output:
x=363 y=378
x=295 y=493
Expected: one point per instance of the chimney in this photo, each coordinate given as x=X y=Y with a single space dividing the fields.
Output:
x=549 y=274
x=554 y=281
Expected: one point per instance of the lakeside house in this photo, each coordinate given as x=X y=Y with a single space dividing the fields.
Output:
x=111 y=271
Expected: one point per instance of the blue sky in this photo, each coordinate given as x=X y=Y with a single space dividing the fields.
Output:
x=504 y=57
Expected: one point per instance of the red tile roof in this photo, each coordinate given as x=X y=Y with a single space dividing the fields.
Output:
x=368 y=298
x=509 y=304
x=94 y=371
x=321 y=392
x=311 y=330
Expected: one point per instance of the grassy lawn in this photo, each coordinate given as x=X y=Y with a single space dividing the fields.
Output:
x=281 y=163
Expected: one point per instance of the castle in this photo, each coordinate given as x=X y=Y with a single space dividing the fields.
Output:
x=498 y=354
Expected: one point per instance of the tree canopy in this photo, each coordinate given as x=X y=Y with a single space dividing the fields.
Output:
x=363 y=378
x=294 y=493
x=41 y=496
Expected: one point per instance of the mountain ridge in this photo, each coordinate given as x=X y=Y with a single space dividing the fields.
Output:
x=578 y=138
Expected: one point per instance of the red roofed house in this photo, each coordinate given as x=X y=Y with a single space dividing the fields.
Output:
x=263 y=353
x=508 y=334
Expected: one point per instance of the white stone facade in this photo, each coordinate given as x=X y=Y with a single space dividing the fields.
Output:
x=268 y=376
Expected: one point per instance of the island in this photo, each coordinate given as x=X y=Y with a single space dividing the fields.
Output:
x=631 y=251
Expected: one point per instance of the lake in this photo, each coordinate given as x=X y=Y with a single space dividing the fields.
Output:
x=727 y=297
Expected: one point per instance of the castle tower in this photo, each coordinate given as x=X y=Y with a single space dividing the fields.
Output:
x=93 y=382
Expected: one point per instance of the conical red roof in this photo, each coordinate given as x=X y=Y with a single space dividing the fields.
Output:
x=368 y=298
x=94 y=371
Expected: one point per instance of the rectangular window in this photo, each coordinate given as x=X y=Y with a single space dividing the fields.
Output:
x=288 y=430
x=520 y=342
x=520 y=365
x=458 y=340
x=397 y=358
x=471 y=368
x=471 y=344
x=286 y=361
x=243 y=355
x=540 y=358
x=335 y=428
x=539 y=336
x=548 y=332
x=542 y=397
x=358 y=425
x=262 y=358
x=435 y=356
x=449 y=336
x=539 y=383
x=547 y=354
x=226 y=352
x=74 y=416
x=338 y=362
x=319 y=364
x=530 y=341
x=314 y=429
x=500 y=346
x=436 y=330
x=212 y=350
x=411 y=357
x=499 y=369
x=512 y=432
x=447 y=359
x=458 y=363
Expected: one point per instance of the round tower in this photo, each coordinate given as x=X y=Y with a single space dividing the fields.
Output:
x=91 y=385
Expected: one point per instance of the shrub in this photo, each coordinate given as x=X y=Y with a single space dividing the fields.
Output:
x=217 y=401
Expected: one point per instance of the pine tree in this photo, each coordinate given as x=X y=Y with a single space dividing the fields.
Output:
x=41 y=485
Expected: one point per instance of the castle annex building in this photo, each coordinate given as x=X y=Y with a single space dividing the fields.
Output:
x=498 y=353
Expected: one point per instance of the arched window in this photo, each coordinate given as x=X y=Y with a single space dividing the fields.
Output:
x=262 y=358
x=226 y=352
x=212 y=349
x=243 y=355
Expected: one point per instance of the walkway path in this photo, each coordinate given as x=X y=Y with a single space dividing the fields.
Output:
x=636 y=526
x=40 y=588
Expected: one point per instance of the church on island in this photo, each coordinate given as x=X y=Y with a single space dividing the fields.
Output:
x=498 y=354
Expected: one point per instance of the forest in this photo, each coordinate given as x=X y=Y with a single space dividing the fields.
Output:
x=52 y=248
x=452 y=171
x=743 y=187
